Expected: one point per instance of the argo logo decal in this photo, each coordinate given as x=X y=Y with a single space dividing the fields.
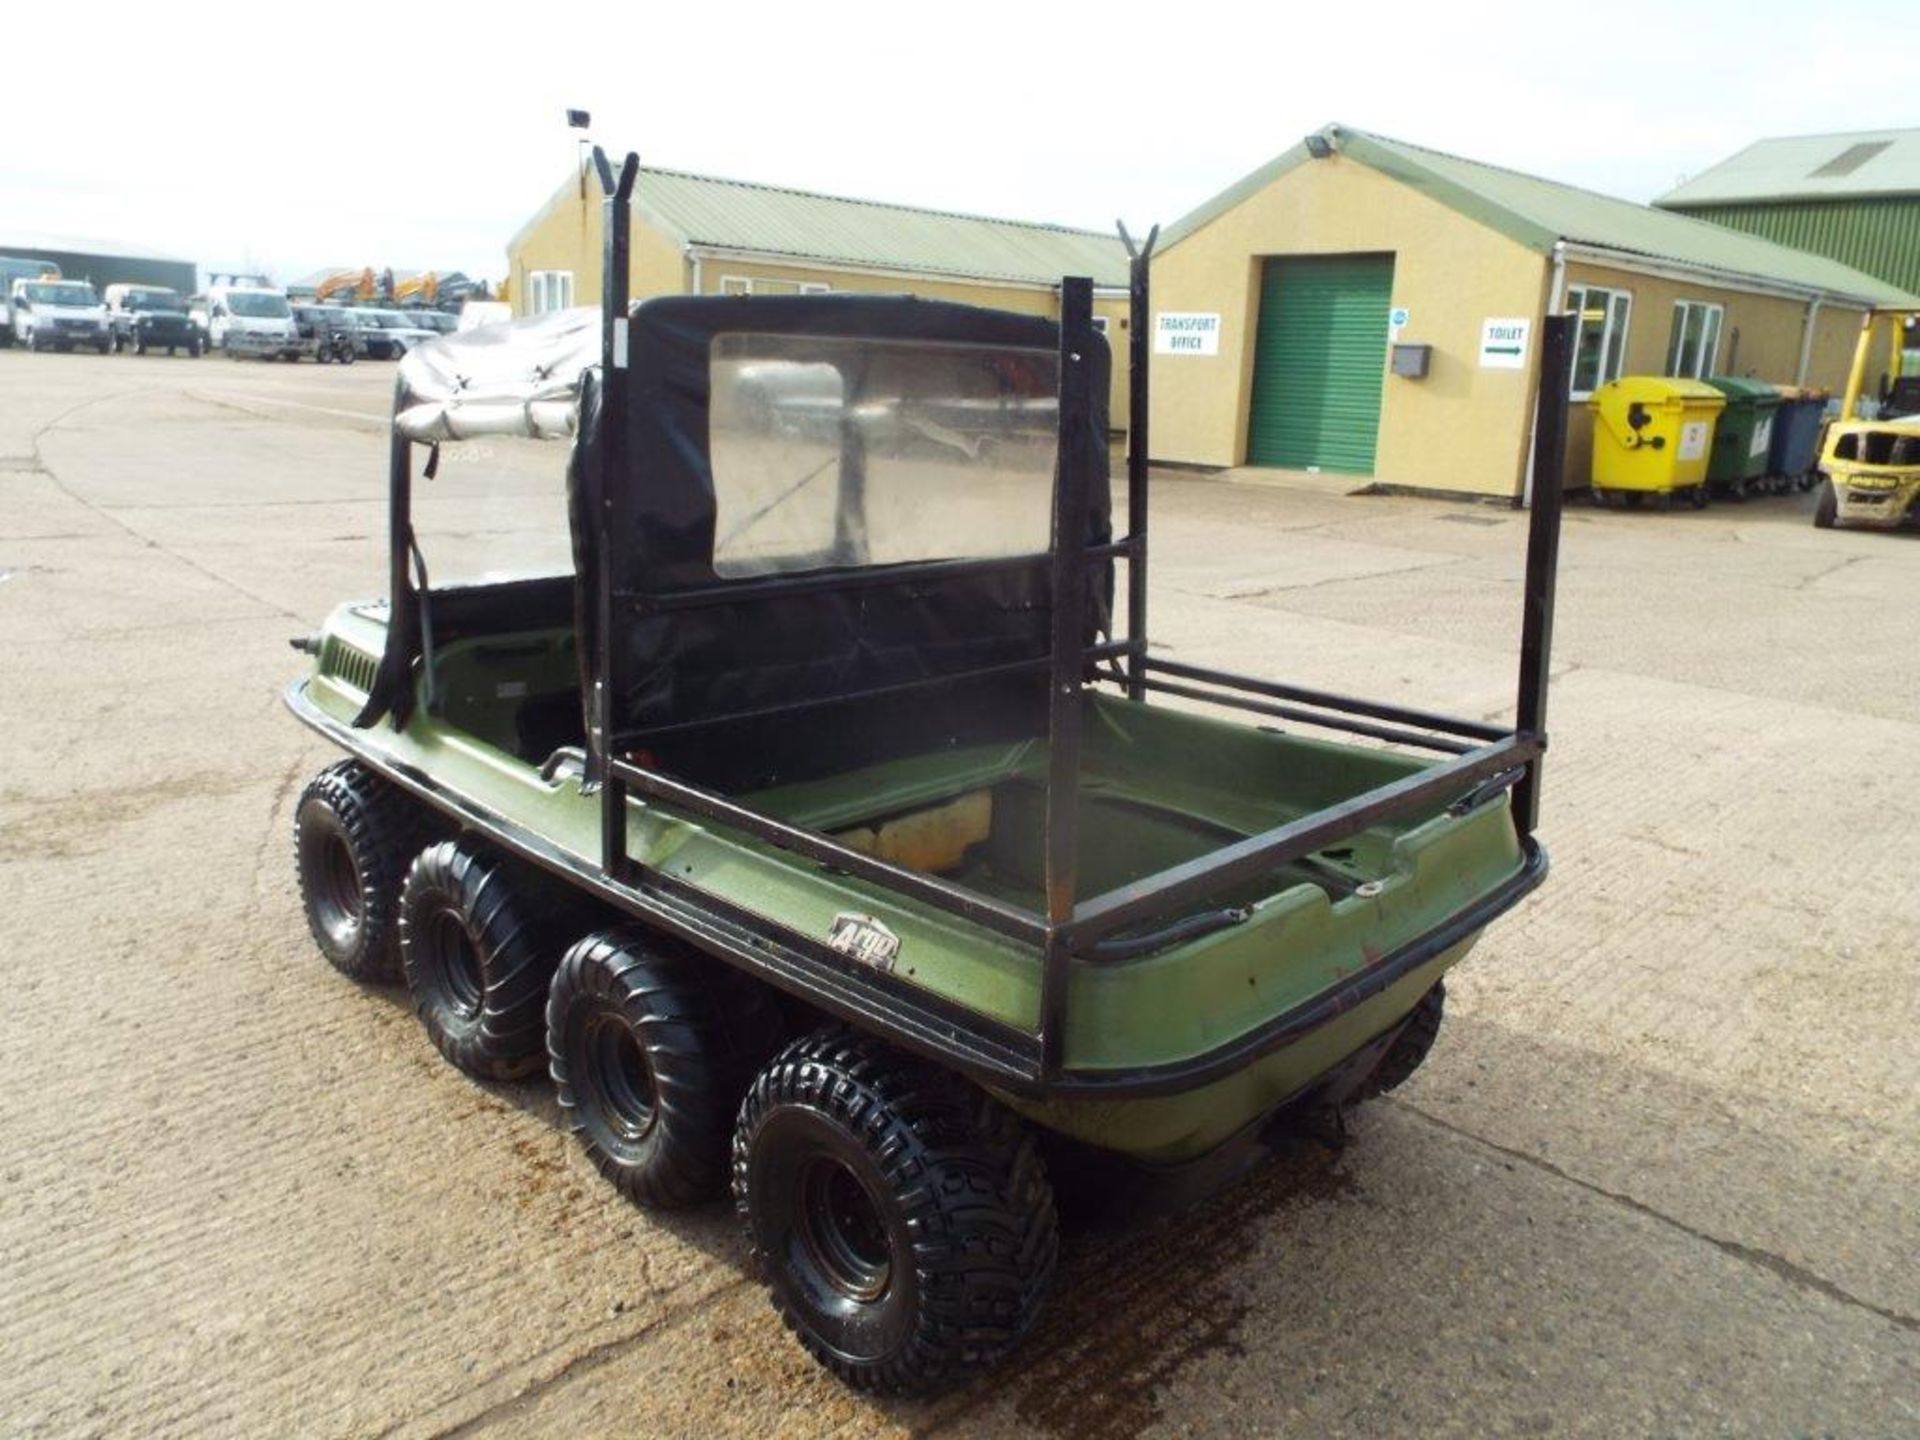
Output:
x=863 y=938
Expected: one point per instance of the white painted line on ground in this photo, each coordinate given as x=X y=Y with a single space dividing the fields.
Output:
x=241 y=401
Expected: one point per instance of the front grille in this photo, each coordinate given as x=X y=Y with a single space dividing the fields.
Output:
x=351 y=667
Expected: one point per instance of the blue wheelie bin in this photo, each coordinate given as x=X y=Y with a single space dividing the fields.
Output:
x=1796 y=435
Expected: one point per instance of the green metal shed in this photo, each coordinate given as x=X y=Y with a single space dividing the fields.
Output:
x=1853 y=197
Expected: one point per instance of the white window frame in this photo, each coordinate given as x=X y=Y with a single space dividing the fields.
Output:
x=1100 y=323
x=1613 y=345
x=549 y=290
x=748 y=285
x=1703 y=361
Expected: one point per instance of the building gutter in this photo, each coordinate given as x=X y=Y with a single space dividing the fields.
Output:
x=1556 y=299
x=1709 y=274
x=1806 y=341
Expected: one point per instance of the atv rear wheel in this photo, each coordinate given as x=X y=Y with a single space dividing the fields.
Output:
x=475 y=961
x=901 y=1218
x=651 y=1051
x=353 y=835
x=1411 y=1046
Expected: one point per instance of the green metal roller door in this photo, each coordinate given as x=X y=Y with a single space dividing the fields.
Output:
x=1319 y=358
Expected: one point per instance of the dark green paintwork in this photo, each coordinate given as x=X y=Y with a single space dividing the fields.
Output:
x=1879 y=235
x=1179 y=1003
x=1743 y=434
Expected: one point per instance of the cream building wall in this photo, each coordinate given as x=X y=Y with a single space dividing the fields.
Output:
x=565 y=235
x=1760 y=337
x=1462 y=429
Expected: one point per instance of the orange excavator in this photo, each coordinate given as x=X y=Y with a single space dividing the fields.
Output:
x=424 y=287
x=347 y=285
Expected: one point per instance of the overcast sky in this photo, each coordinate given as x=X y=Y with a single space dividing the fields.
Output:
x=423 y=135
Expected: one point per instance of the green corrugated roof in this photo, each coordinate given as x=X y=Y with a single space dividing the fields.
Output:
x=799 y=224
x=1809 y=167
x=1537 y=213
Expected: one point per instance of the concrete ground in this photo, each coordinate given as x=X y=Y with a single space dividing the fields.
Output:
x=1658 y=1178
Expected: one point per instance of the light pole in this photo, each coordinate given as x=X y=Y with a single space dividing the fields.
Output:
x=579 y=120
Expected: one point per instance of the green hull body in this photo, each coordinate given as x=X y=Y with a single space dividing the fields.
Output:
x=1159 y=786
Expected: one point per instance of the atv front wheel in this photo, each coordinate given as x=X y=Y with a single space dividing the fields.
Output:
x=901 y=1217
x=353 y=835
x=1411 y=1046
x=475 y=961
x=651 y=1051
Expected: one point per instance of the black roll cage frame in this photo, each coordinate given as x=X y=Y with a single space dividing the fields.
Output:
x=1481 y=760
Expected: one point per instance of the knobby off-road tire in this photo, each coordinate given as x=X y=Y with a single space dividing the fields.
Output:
x=651 y=1050
x=1411 y=1046
x=900 y=1217
x=477 y=959
x=353 y=836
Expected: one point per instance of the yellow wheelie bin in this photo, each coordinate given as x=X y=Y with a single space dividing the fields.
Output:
x=1652 y=439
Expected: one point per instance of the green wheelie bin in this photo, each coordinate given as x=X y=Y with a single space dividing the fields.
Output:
x=1743 y=438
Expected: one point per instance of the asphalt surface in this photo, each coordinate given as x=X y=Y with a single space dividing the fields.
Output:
x=1659 y=1177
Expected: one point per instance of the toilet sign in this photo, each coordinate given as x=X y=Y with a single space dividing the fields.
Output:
x=1186 y=332
x=1503 y=343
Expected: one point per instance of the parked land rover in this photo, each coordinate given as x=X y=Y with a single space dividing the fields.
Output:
x=389 y=334
x=151 y=317
x=58 y=315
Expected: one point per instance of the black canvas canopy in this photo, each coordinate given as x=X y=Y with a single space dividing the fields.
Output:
x=813 y=501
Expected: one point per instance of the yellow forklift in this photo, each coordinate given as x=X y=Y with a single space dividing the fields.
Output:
x=1870 y=455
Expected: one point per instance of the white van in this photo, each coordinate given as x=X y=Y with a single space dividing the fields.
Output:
x=58 y=315
x=252 y=320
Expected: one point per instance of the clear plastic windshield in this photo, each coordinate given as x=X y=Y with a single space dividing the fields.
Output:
x=833 y=451
x=65 y=292
x=257 y=305
x=495 y=510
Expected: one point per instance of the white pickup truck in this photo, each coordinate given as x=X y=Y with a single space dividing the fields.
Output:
x=58 y=315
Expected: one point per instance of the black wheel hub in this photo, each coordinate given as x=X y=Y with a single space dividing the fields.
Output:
x=617 y=1079
x=838 y=1230
x=455 y=964
x=334 y=882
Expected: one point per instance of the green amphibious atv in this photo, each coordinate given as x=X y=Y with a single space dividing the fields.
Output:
x=820 y=833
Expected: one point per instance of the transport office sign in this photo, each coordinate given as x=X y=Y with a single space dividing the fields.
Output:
x=1186 y=332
